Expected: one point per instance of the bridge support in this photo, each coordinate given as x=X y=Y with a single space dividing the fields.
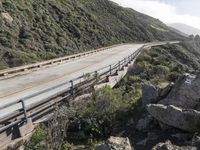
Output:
x=117 y=72
x=26 y=128
x=17 y=135
x=107 y=78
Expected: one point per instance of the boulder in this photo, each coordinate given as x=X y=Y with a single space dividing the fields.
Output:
x=149 y=94
x=185 y=93
x=150 y=137
x=144 y=123
x=8 y=18
x=196 y=141
x=116 y=143
x=164 y=127
x=185 y=119
x=169 y=146
x=183 y=137
x=164 y=92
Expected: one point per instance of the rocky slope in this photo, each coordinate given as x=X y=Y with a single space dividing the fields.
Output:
x=170 y=120
x=168 y=117
x=36 y=30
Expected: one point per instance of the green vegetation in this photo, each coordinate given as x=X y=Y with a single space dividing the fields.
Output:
x=165 y=63
x=107 y=108
x=89 y=122
x=38 y=30
x=37 y=141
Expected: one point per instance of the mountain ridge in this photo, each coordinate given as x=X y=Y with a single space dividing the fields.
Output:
x=185 y=28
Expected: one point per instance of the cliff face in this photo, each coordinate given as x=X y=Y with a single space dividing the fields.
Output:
x=36 y=30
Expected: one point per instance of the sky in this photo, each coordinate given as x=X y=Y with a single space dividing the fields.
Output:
x=168 y=11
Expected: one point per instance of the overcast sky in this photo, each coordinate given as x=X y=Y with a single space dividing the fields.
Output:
x=168 y=11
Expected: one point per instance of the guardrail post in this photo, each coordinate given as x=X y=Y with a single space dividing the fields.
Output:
x=119 y=65
x=126 y=62
x=129 y=59
x=110 y=74
x=72 y=88
x=116 y=73
x=110 y=70
x=96 y=76
x=132 y=57
x=24 y=109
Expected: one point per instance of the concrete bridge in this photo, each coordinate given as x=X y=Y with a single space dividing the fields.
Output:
x=29 y=93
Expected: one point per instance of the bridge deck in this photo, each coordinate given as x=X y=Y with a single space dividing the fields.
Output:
x=17 y=87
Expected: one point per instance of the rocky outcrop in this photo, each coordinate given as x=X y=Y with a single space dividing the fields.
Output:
x=149 y=94
x=196 y=141
x=164 y=92
x=144 y=123
x=185 y=93
x=185 y=119
x=169 y=146
x=7 y=17
x=116 y=143
x=180 y=107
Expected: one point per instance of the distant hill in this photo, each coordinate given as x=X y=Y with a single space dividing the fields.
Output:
x=179 y=32
x=185 y=28
x=37 y=30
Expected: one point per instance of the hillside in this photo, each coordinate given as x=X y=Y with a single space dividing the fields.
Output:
x=178 y=31
x=185 y=28
x=37 y=30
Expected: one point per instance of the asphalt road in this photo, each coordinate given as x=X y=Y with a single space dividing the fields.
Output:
x=17 y=87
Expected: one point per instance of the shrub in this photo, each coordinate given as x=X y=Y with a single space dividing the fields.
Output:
x=101 y=113
x=173 y=76
x=37 y=141
x=160 y=70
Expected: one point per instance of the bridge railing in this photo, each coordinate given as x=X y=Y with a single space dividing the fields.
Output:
x=16 y=70
x=76 y=87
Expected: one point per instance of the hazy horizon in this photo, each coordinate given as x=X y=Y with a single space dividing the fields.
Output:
x=168 y=11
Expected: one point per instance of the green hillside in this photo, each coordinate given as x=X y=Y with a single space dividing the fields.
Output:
x=36 y=30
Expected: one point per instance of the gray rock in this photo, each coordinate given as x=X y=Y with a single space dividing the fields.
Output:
x=182 y=137
x=196 y=141
x=185 y=119
x=149 y=94
x=116 y=143
x=144 y=123
x=164 y=92
x=165 y=127
x=169 y=146
x=185 y=93
x=150 y=137
x=143 y=142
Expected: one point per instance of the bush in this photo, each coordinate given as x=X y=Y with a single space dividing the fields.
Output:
x=173 y=76
x=101 y=113
x=160 y=70
x=37 y=141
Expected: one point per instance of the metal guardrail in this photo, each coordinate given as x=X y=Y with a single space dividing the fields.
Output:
x=76 y=88
x=13 y=71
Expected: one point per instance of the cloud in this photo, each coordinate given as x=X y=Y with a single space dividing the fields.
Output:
x=157 y=9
